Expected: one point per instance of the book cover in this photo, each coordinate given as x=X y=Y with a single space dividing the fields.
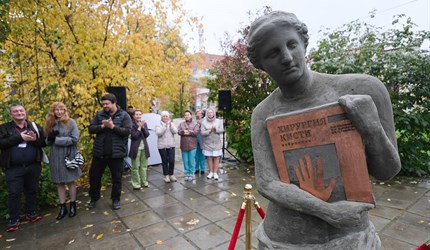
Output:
x=320 y=151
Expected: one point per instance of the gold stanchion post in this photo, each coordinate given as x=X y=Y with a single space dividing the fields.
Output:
x=248 y=199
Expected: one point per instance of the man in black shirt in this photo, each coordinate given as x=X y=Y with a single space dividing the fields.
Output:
x=21 y=155
x=112 y=127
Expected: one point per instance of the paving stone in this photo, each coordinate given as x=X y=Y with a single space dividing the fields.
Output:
x=141 y=219
x=221 y=197
x=199 y=203
x=57 y=226
x=172 y=210
x=208 y=236
x=152 y=234
x=385 y=212
x=389 y=243
x=185 y=194
x=105 y=230
x=177 y=243
x=188 y=222
x=73 y=239
x=416 y=221
x=132 y=208
x=378 y=222
x=160 y=201
x=123 y=242
x=216 y=213
x=207 y=189
x=406 y=233
x=421 y=207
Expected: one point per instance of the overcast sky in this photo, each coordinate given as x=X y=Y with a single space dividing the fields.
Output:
x=220 y=16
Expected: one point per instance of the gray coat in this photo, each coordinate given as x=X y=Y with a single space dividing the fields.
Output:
x=65 y=144
x=212 y=139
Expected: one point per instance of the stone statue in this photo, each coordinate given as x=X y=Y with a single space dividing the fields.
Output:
x=295 y=219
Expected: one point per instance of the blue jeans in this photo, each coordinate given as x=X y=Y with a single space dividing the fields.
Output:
x=189 y=159
x=200 y=159
x=21 y=179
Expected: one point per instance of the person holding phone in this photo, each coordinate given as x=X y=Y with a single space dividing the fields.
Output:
x=20 y=158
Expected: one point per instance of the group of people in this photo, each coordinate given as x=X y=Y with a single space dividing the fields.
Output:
x=21 y=143
x=118 y=134
x=200 y=142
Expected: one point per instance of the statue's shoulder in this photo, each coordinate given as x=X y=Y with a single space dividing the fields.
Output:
x=266 y=106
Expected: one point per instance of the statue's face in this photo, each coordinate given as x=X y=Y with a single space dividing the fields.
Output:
x=282 y=55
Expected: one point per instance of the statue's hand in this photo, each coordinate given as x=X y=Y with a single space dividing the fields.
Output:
x=362 y=112
x=311 y=183
x=347 y=213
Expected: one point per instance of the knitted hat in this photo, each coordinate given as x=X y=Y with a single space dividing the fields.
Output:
x=163 y=113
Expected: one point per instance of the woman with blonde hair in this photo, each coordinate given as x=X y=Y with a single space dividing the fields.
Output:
x=62 y=136
x=211 y=130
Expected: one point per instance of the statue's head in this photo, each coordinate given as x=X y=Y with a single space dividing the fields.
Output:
x=274 y=20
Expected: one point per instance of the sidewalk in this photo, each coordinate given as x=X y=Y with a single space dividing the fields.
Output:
x=202 y=215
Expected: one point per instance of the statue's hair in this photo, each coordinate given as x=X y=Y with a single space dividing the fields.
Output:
x=263 y=24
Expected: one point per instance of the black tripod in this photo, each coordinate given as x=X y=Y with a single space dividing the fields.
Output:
x=224 y=148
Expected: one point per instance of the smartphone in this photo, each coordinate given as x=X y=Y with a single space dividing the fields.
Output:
x=197 y=117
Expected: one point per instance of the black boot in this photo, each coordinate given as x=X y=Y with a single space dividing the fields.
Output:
x=63 y=211
x=73 y=210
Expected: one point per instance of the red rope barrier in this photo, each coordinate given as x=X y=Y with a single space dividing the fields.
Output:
x=425 y=246
x=239 y=220
x=261 y=212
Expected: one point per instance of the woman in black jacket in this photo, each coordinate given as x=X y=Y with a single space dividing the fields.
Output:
x=139 y=151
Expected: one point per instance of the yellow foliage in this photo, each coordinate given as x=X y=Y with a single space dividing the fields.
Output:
x=71 y=51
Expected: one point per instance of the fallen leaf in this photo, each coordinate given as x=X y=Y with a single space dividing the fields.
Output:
x=128 y=230
x=126 y=199
x=103 y=188
x=159 y=242
x=88 y=233
x=382 y=183
x=193 y=222
x=133 y=200
x=181 y=229
x=10 y=240
x=99 y=236
x=115 y=222
x=421 y=222
x=88 y=226
x=388 y=199
x=106 y=213
x=70 y=242
x=233 y=194
x=46 y=215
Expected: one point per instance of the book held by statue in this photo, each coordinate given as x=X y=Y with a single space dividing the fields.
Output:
x=320 y=151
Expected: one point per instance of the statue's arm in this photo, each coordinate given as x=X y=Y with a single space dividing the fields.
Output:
x=372 y=115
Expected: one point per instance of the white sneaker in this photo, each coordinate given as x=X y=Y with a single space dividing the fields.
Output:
x=216 y=177
x=173 y=178
x=166 y=179
x=210 y=175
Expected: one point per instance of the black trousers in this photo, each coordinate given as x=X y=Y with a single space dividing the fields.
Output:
x=21 y=179
x=167 y=160
x=98 y=166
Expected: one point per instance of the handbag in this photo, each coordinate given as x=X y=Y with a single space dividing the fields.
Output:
x=75 y=162
x=45 y=158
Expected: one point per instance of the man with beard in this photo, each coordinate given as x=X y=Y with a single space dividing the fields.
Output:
x=112 y=127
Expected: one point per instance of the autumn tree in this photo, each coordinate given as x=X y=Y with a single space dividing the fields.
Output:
x=397 y=58
x=248 y=88
x=71 y=51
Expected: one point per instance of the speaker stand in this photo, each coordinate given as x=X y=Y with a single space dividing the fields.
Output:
x=224 y=148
